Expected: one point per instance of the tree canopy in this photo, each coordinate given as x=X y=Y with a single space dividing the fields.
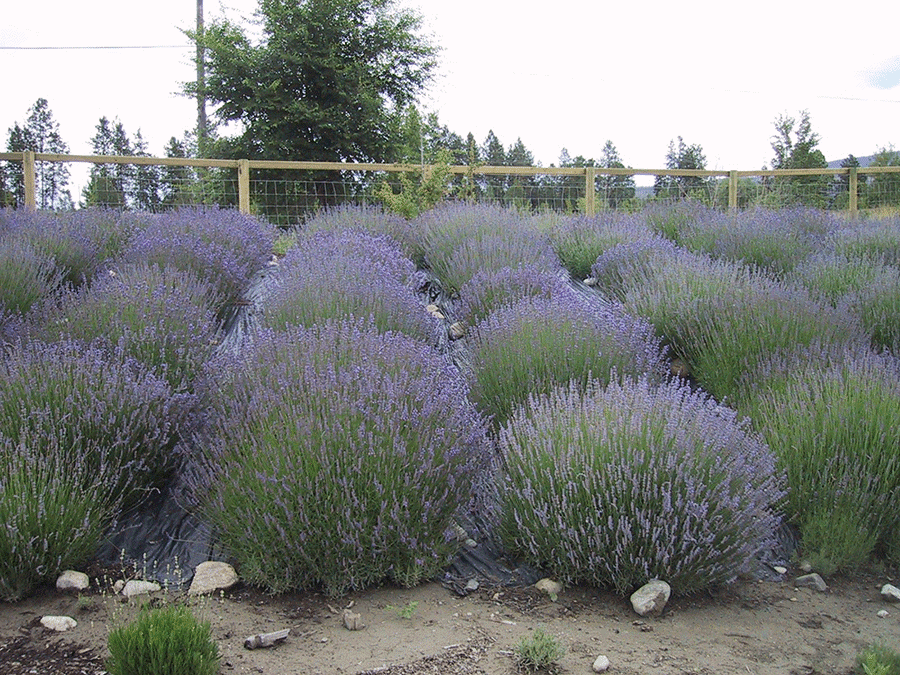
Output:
x=325 y=81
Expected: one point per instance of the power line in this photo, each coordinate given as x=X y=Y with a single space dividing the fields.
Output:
x=104 y=47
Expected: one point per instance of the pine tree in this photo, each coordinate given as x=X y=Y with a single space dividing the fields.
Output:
x=615 y=190
x=109 y=184
x=39 y=134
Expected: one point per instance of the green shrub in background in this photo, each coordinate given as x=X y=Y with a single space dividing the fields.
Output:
x=164 y=641
x=832 y=417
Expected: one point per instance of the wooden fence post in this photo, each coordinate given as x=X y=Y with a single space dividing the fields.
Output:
x=732 y=189
x=28 y=168
x=589 y=187
x=854 y=196
x=244 y=186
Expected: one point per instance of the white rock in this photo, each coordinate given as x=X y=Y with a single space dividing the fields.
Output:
x=890 y=593
x=591 y=281
x=136 y=587
x=118 y=585
x=780 y=570
x=601 y=665
x=883 y=613
x=651 y=598
x=212 y=576
x=70 y=580
x=550 y=587
x=432 y=308
x=58 y=623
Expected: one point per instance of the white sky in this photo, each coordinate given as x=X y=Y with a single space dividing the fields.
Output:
x=569 y=74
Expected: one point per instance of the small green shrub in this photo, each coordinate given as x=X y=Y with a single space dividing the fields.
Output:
x=878 y=660
x=164 y=641
x=540 y=651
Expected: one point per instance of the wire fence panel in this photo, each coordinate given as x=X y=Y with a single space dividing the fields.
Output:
x=287 y=193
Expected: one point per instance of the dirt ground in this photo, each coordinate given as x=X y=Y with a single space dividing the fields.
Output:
x=755 y=627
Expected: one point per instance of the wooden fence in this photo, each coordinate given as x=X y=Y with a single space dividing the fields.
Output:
x=589 y=174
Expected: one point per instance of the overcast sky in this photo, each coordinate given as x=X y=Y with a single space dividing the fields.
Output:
x=556 y=74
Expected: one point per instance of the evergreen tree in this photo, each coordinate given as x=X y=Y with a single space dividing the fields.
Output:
x=109 y=184
x=146 y=189
x=615 y=190
x=40 y=133
x=521 y=187
x=683 y=156
x=176 y=181
x=493 y=154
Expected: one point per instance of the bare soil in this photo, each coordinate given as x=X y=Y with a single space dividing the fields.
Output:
x=755 y=627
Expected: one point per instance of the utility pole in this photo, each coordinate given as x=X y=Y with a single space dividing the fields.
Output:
x=201 y=85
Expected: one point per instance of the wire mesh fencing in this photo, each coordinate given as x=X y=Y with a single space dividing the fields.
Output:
x=286 y=193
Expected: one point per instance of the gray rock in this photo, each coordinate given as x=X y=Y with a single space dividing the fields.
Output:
x=883 y=614
x=601 y=664
x=890 y=593
x=212 y=576
x=352 y=620
x=550 y=587
x=70 y=580
x=456 y=330
x=58 y=623
x=472 y=585
x=805 y=566
x=136 y=587
x=651 y=598
x=811 y=581
x=591 y=281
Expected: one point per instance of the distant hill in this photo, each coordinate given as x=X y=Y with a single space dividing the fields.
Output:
x=863 y=162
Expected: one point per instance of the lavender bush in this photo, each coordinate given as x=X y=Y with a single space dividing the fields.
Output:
x=877 y=304
x=159 y=316
x=110 y=416
x=222 y=246
x=81 y=243
x=734 y=333
x=55 y=509
x=536 y=344
x=338 y=457
x=490 y=290
x=619 y=484
x=632 y=265
x=877 y=240
x=333 y=275
x=671 y=220
x=460 y=240
x=832 y=278
x=832 y=417
x=365 y=218
x=27 y=277
x=723 y=318
x=579 y=240
x=775 y=240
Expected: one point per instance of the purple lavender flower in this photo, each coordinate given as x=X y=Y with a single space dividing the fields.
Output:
x=350 y=451
x=619 y=484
